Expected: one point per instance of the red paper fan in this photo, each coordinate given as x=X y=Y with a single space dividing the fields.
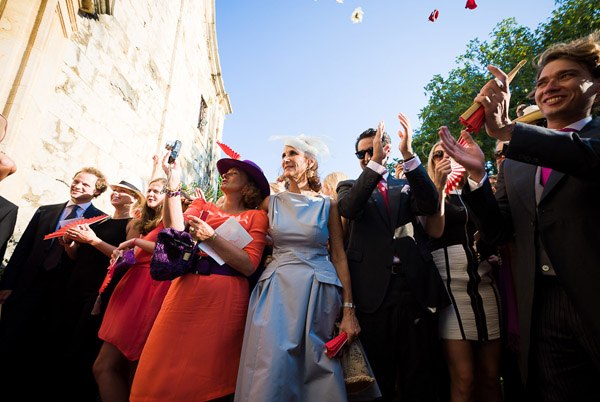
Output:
x=228 y=151
x=434 y=15
x=474 y=123
x=61 y=232
x=456 y=173
x=471 y=5
x=333 y=347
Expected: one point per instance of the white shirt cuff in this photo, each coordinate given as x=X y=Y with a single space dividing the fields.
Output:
x=377 y=167
x=411 y=164
x=473 y=185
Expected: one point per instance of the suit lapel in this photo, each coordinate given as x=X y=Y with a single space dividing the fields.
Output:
x=51 y=220
x=523 y=182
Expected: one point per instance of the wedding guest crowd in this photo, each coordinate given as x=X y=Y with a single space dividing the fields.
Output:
x=418 y=268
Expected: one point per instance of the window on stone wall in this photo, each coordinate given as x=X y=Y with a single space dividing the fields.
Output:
x=202 y=117
x=92 y=8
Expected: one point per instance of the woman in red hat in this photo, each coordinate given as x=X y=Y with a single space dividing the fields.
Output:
x=193 y=350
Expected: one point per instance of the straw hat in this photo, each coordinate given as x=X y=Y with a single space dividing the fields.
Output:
x=531 y=114
x=128 y=186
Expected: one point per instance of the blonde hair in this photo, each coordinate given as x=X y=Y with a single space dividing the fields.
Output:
x=330 y=183
x=430 y=167
x=149 y=218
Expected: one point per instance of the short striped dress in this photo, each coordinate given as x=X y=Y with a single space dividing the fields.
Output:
x=474 y=314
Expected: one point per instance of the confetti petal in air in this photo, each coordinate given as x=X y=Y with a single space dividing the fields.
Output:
x=471 y=5
x=456 y=173
x=339 y=1
x=333 y=346
x=357 y=15
x=474 y=116
x=434 y=15
x=228 y=151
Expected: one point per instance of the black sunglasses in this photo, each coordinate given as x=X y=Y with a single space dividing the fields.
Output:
x=361 y=154
x=439 y=154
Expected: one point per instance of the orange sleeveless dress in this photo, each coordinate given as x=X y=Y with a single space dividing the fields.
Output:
x=194 y=348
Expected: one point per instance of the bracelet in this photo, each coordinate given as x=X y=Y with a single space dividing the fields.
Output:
x=349 y=305
x=172 y=194
x=213 y=237
x=167 y=189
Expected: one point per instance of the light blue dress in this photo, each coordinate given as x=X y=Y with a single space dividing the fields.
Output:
x=293 y=310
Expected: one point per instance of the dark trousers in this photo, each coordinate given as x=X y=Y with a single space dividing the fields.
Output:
x=400 y=339
x=565 y=356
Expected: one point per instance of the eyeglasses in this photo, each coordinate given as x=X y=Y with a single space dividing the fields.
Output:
x=437 y=155
x=361 y=154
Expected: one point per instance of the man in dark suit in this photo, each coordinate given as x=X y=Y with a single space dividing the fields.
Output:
x=396 y=286
x=547 y=198
x=33 y=283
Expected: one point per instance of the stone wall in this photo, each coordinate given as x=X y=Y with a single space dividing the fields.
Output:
x=106 y=92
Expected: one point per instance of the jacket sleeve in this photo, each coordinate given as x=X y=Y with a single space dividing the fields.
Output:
x=21 y=253
x=352 y=195
x=424 y=196
x=576 y=154
x=491 y=214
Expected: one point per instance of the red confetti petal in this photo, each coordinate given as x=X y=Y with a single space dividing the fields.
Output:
x=434 y=15
x=471 y=5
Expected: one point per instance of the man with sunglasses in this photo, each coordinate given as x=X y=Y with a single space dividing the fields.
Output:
x=547 y=200
x=396 y=286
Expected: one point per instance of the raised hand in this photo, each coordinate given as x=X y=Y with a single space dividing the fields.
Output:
x=405 y=146
x=441 y=172
x=172 y=170
x=469 y=156
x=379 y=151
x=495 y=99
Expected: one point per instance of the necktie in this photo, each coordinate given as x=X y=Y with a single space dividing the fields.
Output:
x=546 y=171
x=73 y=213
x=383 y=190
x=56 y=250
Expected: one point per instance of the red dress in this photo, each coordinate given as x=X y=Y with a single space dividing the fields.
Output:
x=193 y=351
x=134 y=304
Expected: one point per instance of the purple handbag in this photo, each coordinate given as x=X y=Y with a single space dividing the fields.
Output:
x=175 y=254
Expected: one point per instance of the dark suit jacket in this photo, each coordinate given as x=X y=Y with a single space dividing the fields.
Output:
x=567 y=216
x=31 y=250
x=8 y=219
x=375 y=237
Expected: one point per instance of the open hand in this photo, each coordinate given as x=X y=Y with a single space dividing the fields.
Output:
x=379 y=151
x=82 y=234
x=469 y=156
x=405 y=146
x=441 y=172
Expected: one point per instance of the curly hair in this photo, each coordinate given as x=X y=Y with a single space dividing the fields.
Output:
x=312 y=175
x=149 y=218
x=430 y=167
x=101 y=183
x=251 y=195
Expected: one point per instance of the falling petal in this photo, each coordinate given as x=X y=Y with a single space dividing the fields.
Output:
x=434 y=15
x=357 y=15
x=471 y=5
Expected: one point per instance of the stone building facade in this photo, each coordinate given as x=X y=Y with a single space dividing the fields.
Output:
x=106 y=83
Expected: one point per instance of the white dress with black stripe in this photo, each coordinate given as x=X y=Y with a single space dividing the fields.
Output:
x=475 y=310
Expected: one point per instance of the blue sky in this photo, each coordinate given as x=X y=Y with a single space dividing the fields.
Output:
x=302 y=67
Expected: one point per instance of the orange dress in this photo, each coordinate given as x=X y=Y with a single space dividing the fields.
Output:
x=134 y=304
x=193 y=351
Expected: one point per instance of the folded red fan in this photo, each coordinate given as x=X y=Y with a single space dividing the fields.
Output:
x=228 y=151
x=333 y=347
x=61 y=232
